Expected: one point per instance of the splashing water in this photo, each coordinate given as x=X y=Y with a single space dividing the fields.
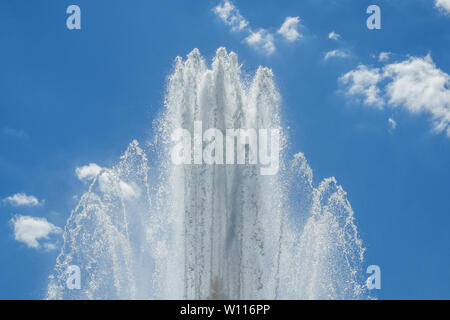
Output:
x=211 y=231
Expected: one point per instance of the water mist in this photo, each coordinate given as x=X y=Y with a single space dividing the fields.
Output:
x=203 y=231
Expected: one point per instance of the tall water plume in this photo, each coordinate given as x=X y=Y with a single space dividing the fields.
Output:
x=208 y=231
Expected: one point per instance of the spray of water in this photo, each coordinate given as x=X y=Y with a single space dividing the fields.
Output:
x=211 y=231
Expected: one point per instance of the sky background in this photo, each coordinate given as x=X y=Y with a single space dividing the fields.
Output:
x=72 y=97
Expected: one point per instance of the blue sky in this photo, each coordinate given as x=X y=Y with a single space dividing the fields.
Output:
x=74 y=97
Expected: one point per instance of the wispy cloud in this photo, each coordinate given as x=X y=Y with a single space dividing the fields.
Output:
x=443 y=5
x=392 y=124
x=384 y=56
x=338 y=53
x=289 y=29
x=14 y=133
x=260 y=39
x=415 y=84
x=231 y=16
x=31 y=230
x=22 y=199
x=334 y=36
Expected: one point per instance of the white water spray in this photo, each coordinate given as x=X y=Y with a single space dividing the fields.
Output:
x=211 y=231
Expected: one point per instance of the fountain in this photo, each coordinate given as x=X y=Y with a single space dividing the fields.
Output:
x=153 y=229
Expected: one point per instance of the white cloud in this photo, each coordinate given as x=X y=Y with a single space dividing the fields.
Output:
x=419 y=86
x=384 y=56
x=415 y=84
x=444 y=5
x=31 y=230
x=363 y=82
x=89 y=172
x=22 y=199
x=261 y=39
x=231 y=16
x=289 y=29
x=336 y=54
x=334 y=36
x=392 y=124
